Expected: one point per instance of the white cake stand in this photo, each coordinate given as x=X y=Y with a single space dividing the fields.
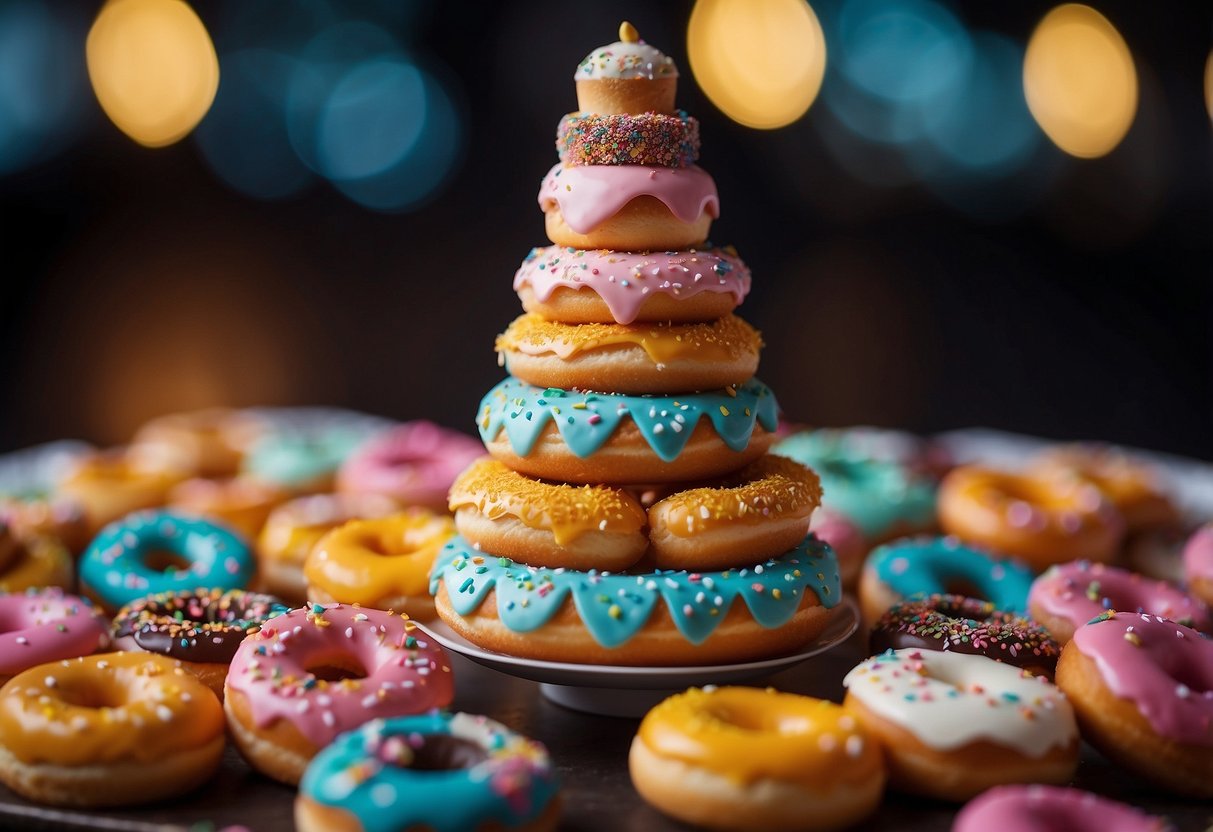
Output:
x=611 y=690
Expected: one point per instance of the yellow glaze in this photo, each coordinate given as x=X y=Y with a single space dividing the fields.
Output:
x=114 y=707
x=294 y=528
x=1059 y=503
x=365 y=561
x=768 y=489
x=748 y=734
x=36 y=561
x=567 y=511
x=725 y=339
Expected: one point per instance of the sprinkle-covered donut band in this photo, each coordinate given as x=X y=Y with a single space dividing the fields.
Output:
x=670 y=141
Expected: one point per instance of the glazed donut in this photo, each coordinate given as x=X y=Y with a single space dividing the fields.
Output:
x=45 y=515
x=1140 y=686
x=108 y=730
x=1035 y=808
x=1067 y=596
x=759 y=512
x=32 y=561
x=47 y=625
x=626 y=77
x=749 y=759
x=883 y=497
x=433 y=771
x=294 y=527
x=918 y=567
x=1131 y=485
x=200 y=629
x=628 y=207
x=108 y=486
x=203 y=443
x=670 y=141
x=1041 y=520
x=301 y=462
x=312 y=674
x=413 y=464
x=242 y=503
x=953 y=725
x=585 y=438
x=547 y=524
x=602 y=287
x=845 y=539
x=383 y=563
x=150 y=552
x=652 y=618
x=1198 y=563
x=966 y=625
x=638 y=358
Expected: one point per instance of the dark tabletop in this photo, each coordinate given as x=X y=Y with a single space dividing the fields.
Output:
x=590 y=754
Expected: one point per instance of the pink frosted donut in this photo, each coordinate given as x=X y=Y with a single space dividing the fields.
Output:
x=1198 y=563
x=1069 y=595
x=316 y=672
x=589 y=195
x=414 y=464
x=47 y=625
x=845 y=539
x=1033 y=808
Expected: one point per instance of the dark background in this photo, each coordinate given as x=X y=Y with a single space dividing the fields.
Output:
x=1067 y=298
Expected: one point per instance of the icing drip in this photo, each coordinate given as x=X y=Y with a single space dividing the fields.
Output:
x=589 y=195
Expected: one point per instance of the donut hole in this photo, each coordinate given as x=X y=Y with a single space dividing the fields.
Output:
x=760 y=721
x=162 y=560
x=90 y=693
x=964 y=588
x=335 y=667
x=442 y=752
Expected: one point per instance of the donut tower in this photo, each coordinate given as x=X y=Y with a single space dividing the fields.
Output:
x=629 y=513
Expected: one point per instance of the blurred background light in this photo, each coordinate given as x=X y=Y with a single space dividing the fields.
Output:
x=153 y=68
x=1209 y=84
x=41 y=81
x=374 y=117
x=760 y=61
x=1079 y=81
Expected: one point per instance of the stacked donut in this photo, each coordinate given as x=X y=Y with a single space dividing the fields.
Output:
x=630 y=513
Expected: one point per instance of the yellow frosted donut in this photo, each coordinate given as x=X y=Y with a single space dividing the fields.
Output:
x=547 y=524
x=108 y=730
x=32 y=561
x=744 y=758
x=111 y=485
x=383 y=563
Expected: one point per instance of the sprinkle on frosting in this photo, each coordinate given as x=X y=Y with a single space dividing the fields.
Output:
x=1080 y=590
x=670 y=141
x=628 y=58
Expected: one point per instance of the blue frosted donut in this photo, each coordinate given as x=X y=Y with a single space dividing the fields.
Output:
x=922 y=566
x=115 y=567
x=880 y=496
x=435 y=771
x=302 y=461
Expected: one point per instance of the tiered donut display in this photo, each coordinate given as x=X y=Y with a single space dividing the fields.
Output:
x=630 y=369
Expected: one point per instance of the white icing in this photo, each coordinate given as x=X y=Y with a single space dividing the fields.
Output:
x=626 y=60
x=948 y=700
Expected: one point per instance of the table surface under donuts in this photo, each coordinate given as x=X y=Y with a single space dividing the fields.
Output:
x=590 y=752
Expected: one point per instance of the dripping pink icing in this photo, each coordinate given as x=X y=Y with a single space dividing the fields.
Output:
x=407 y=673
x=1035 y=808
x=47 y=625
x=1198 y=554
x=589 y=195
x=624 y=280
x=413 y=463
x=1163 y=668
x=1080 y=590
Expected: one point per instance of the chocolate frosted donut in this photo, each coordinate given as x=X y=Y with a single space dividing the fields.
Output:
x=957 y=624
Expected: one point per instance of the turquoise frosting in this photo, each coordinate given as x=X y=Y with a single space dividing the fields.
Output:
x=587 y=420
x=876 y=495
x=614 y=607
x=293 y=460
x=512 y=787
x=918 y=567
x=114 y=566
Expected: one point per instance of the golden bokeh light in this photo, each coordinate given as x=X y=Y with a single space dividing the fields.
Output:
x=760 y=61
x=1079 y=81
x=1209 y=84
x=153 y=68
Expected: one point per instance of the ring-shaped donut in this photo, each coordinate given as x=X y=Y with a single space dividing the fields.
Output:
x=431 y=771
x=413 y=464
x=1130 y=484
x=47 y=625
x=1033 y=808
x=120 y=565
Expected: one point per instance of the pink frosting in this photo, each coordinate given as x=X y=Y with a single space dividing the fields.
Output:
x=589 y=195
x=1080 y=590
x=1036 y=808
x=844 y=538
x=414 y=463
x=406 y=673
x=1163 y=668
x=1198 y=554
x=624 y=280
x=47 y=625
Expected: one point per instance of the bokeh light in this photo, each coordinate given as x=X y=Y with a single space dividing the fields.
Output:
x=374 y=117
x=1079 y=81
x=153 y=68
x=760 y=61
x=1209 y=84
